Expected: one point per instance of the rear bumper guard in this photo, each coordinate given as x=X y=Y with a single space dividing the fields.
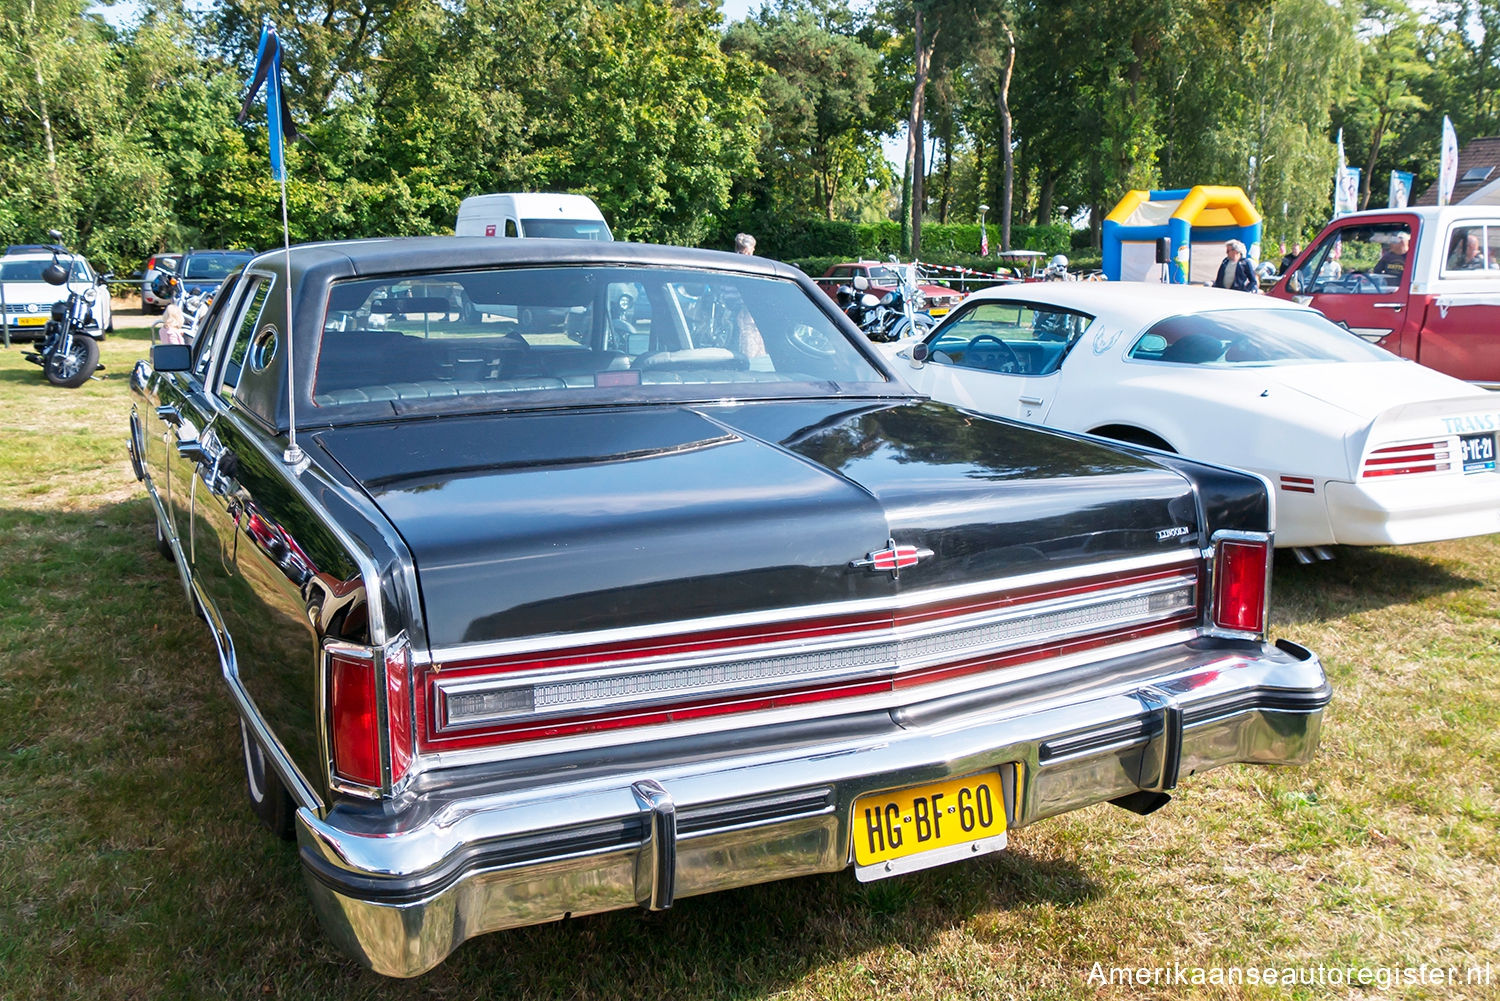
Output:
x=400 y=893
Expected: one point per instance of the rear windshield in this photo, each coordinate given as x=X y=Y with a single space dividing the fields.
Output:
x=597 y=333
x=1252 y=337
x=566 y=229
x=213 y=266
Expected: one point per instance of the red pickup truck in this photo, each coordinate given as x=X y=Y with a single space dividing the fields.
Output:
x=1422 y=282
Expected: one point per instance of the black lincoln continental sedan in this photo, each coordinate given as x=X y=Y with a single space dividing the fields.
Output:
x=599 y=575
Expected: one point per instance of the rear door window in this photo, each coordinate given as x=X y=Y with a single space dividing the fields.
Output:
x=1473 y=248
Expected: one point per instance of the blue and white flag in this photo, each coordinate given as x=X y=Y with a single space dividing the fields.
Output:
x=1400 y=188
x=278 y=113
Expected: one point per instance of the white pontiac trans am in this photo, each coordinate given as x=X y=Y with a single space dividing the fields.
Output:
x=1361 y=448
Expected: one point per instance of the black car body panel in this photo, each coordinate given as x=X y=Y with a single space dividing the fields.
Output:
x=635 y=502
x=566 y=608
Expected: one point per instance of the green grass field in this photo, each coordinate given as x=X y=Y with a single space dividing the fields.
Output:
x=131 y=867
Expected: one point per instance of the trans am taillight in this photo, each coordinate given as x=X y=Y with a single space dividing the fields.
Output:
x=369 y=698
x=1400 y=460
x=1242 y=583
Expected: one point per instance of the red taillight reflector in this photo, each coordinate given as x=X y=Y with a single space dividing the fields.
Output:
x=1240 y=575
x=355 y=719
x=398 y=707
x=1400 y=460
x=1298 y=484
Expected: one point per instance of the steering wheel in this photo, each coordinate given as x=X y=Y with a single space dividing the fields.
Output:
x=1358 y=282
x=812 y=342
x=1011 y=364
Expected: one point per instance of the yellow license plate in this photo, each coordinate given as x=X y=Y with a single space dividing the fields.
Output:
x=31 y=321
x=907 y=829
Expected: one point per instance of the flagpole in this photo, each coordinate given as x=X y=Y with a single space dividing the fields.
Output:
x=293 y=453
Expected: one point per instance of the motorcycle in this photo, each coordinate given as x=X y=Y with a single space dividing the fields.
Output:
x=891 y=317
x=69 y=354
x=168 y=288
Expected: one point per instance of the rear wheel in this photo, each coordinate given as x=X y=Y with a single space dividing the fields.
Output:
x=77 y=366
x=268 y=797
x=1133 y=436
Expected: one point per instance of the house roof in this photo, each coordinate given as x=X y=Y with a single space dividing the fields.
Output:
x=1478 y=155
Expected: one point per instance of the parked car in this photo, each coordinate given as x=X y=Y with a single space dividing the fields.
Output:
x=535 y=622
x=202 y=271
x=155 y=265
x=29 y=299
x=1361 y=447
x=935 y=300
x=1422 y=282
x=533 y=214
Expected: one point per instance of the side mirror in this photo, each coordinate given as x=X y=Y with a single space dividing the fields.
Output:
x=920 y=353
x=106 y=278
x=1294 y=284
x=56 y=236
x=171 y=357
x=861 y=283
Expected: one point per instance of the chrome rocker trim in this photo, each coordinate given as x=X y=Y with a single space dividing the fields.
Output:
x=670 y=819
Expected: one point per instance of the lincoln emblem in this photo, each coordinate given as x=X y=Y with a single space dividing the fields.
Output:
x=893 y=558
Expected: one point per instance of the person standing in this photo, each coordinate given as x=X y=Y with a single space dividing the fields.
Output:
x=1235 y=272
x=744 y=243
x=1288 y=258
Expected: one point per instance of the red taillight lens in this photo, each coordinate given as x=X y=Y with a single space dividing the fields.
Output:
x=356 y=739
x=1400 y=460
x=354 y=712
x=398 y=707
x=1240 y=576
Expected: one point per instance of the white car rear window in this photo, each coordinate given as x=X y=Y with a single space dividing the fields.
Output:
x=1252 y=337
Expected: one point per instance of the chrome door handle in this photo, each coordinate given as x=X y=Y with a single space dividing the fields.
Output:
x=1032 y=401
x=169 y=415
x=1387 y=305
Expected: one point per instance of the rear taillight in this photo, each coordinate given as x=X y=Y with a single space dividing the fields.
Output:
x=354 y=717
x=357 y=713
x=1400 y=460
x=1242 y=581
x=150 y=262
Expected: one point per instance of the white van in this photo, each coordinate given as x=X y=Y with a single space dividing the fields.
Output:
x=538 y=213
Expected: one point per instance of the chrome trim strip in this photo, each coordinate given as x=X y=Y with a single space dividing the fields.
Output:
x=538 y=695
x=301 y=790
x=516 y=750
x=531 y=644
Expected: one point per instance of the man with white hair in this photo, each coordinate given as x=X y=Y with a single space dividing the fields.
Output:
x=1236 y=272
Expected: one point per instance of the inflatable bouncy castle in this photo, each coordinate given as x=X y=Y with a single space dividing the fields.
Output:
x=1196 y=220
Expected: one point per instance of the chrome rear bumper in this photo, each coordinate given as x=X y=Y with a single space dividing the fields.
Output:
x=400 y=891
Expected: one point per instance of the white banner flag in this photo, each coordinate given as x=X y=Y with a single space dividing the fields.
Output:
x=1448 y=171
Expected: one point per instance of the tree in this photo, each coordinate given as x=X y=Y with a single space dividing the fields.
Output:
x=816 y=91
x=1391 y=72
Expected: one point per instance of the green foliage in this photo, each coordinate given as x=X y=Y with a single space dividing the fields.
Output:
x=688 y=132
